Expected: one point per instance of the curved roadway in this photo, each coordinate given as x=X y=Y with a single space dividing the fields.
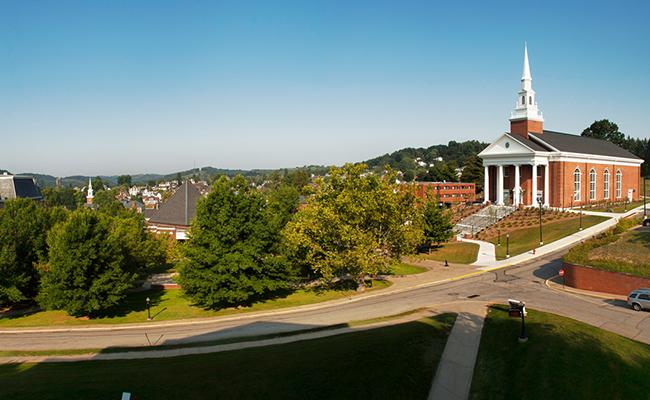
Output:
x=524 y=282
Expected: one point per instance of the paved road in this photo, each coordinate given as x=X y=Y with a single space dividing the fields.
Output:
x=524 y=282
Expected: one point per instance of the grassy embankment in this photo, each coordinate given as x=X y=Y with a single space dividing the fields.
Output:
x=173 y=304
x=625 y=249
x=526 y=239
x=563 y=359
x=394 y=362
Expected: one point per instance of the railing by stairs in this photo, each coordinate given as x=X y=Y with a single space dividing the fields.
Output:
x=486 y=217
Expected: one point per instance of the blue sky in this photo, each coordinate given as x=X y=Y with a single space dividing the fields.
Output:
x=96 y=87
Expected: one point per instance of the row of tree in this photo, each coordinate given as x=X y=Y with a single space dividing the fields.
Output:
x=81 y=261
x=247 y=244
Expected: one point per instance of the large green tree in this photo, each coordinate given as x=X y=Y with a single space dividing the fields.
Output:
x=606 y=130
x=234 y=254
x=23 y=228
x=88 y=269
x=124 y=180
x=356 y=224
x=68 y=198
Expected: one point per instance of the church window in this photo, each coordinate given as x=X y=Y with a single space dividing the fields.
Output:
x=530 y=99
x=619 y=183
x=592 y=184
x=576 y=184
x=523 y=100
x=606 y=184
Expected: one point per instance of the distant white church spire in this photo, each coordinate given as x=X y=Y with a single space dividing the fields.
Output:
x=89 y=196
x=526 y=106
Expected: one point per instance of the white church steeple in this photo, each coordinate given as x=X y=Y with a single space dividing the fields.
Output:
x=526 y=106
x=89 y=196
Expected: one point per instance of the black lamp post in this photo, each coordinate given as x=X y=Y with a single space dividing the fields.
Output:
x=507 y=245
x=645 y=213
x=148 y=309
x=498 y=237
x=522 y=335
x=580 y=216
x=541 y=240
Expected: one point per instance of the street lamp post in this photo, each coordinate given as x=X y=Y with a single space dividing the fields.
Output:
x=541 y=240
x=507 y=245
x=645 y=213
x=580 y=216
x=498 y=237
x=148 y=309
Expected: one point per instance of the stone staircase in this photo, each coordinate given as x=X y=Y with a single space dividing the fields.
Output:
x=484 y=218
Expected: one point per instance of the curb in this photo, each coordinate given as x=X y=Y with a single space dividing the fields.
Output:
x=555 y=286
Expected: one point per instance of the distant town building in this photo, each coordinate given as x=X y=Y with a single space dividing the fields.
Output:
x=174 y=216
x=447 y=192
x=89 y=195
x=18 y=187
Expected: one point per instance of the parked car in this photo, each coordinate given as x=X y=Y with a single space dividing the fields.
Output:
x=646 y=222
x=639 y=299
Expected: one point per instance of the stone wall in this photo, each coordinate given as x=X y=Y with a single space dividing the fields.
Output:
x=587 y=278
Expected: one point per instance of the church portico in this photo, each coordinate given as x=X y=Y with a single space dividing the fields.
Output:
x=512 y=183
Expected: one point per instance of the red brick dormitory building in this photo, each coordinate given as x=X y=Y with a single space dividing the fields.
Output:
x=530 y=164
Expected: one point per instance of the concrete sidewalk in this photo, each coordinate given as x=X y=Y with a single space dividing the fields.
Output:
x=486 y=252
x=453 y=379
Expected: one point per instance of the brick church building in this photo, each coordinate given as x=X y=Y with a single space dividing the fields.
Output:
x=530 y=165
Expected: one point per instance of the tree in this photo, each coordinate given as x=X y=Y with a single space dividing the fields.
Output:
x=298 y=178
x=68 y=198
x=179 y=178
x=356 y=224
x=440 y=172
x=234 y=255
x=87 y=270
x=605 y=130
x=124 y=180
x=107 y=203
x=437 y=224
x=98 y=184
x=473 y=172
x=23 y=229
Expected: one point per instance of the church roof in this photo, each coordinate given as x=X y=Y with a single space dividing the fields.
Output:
x=527 y=142
x=179 y=209
x=580 y=144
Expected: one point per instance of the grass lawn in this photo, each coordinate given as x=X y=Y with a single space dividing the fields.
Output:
x=395 y=362
x=454 y=252
x=172 y=304
x=563 y=359
x=402 y=268
x=525 y=239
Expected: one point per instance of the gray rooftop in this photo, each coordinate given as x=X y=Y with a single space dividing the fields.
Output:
x=582 y=144
x=18 y=187
x=179 y=209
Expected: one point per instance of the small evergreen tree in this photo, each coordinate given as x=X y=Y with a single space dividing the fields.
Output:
x=233 y=256
x=436 y=222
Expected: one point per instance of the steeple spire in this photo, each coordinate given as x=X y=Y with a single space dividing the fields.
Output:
x=89 y=196
x=526 y=117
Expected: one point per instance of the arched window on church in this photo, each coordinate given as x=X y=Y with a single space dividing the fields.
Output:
x=592 y=184
x=530 y=99
x=606 y=184
x=576 y=184
x=619 y=183
x=523 y=100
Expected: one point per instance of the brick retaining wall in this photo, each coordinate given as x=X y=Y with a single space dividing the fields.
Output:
x=587 y=278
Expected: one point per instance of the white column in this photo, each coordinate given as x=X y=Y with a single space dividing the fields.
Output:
x=546 y=186
x=534 y=194
x=486 y=184
x=500 y=185
x=517 y=186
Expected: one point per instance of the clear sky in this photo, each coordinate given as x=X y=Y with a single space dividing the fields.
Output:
x=112 y=87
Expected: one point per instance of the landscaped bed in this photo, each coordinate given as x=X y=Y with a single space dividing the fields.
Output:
x=527 y=238
x=616 y=207
x=395 y=362
x=173 y=304
x=625 y=249
x=563 y=359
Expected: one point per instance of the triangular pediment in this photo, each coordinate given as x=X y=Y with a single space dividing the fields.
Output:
x=506 y=145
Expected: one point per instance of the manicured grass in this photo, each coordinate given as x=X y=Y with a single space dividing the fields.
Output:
x=526 y=239
x=563 y=359
x=402 y=268
x=454 y=252
x=395 y=362
x=173 y=304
